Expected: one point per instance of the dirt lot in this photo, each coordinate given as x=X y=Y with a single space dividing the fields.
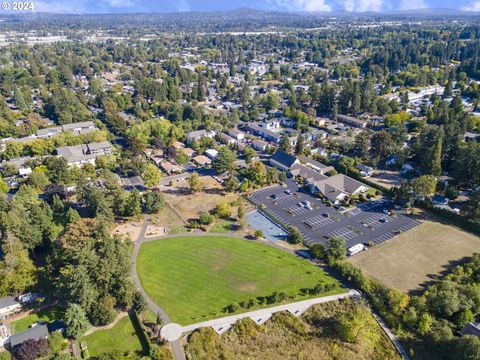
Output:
x=130 y=228
x=190 y=205
x=414 y=258
x=387 y=179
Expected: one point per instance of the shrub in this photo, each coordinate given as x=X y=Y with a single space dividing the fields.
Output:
x=206 y=218
x=258 y=234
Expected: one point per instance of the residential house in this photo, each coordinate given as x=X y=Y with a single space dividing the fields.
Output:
x=4 y=334
x=236 y=134
x=320 y=121
x=198 y=134
x=263 y=132
x=36 y=332
x=201 y=160
x=283 y=161
x=211 y=153
x=79 y=155
x=320 y=152
x=259 y=145
x=8 y=306
x=189 y=152
x=471 y=329
x=365 y=170
x=227 y=139
x=440 y=200
x=171 y=168
x=315 y=165
x=352 y=121
x=270 y=124
x=178 y=145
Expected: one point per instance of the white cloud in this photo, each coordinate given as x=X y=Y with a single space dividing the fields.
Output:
x=413 y=4
x=302 y=5
x=362 y=5
x=474 y=6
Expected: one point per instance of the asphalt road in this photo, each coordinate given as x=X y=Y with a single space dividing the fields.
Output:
x=364 y=224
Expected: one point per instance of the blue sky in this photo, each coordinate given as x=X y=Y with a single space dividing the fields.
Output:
x=114 y=6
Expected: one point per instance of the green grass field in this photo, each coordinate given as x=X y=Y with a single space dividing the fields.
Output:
x=46 y=315
x=195 y=278
x=121 y=337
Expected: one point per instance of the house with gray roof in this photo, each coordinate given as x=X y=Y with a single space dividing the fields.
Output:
x=338 y=187
x=471 y=329
x=8 y=306
x=79 y=155
x=36 y=332
x=283 y=161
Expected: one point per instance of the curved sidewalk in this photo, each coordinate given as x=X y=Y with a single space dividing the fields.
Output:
x=173 y=332
x=177 y=348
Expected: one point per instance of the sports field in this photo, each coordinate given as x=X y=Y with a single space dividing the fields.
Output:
x=194 y=278
x=417 y=256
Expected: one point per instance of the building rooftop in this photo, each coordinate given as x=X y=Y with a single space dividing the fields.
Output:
x=35 y=333
x=7 y=301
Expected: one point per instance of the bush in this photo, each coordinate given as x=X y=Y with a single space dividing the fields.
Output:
x=223 y=210
x=232 y=308
x=294 y=235
x=206 y=218
x=258 y=234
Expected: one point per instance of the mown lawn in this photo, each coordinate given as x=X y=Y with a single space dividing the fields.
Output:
x=121 y=337
x=46 y=315
x=195 y=278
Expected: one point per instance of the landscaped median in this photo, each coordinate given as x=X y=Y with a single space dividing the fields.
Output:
x=200 y=278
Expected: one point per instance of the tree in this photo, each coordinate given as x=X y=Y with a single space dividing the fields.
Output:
x=38 y=179
x=294 y=235
x=337 y=248
x=317 y=250
x=225 y=161
x=424 y=186
x=18 y=98
x=358 y=326
x=151 y=175
x=271 y=101
x=272 y=175
x=32 y=349
x=299 y=147
x=231 y=184
x=103 y=313
x=285 y=143
x=3 y=186
x=382 y=144
x=72 y=216
x=17 y=271
x=195 y=183
x=154 y=202
x=133 y=206
x=223 y=210
x=249 y=153
x=257 y=174
x=75 y=321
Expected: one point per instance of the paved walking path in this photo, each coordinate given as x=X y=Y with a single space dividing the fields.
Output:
x=392 y=337
x=173 y=332
x=177 y=348
x=119 y=317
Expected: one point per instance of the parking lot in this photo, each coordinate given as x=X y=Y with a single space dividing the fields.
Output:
x=318 y=222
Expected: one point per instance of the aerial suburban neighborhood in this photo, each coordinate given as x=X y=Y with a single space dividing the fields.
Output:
x=211 y=181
